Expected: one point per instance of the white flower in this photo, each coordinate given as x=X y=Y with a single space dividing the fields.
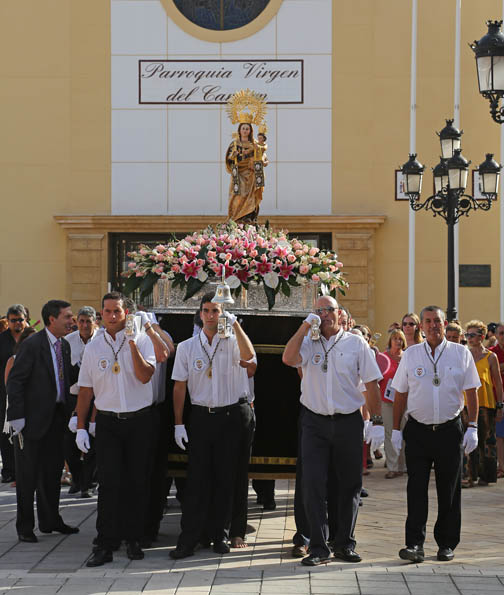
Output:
x=324 y=276
x=202 y=275
x=233 y=281
x=301 y=280
x=271 y=279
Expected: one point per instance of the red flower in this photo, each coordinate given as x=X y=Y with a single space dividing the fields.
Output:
x=243 y=275
x=190 y=269
x=263 y=267
x=285 y=271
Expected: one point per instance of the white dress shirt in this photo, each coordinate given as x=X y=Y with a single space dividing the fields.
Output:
x=430 y=404
x=350 y=361
x=120 y=392
x=229 y=380
x=52 y=340
x=77 y=347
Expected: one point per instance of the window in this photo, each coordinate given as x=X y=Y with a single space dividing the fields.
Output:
x=221 y=15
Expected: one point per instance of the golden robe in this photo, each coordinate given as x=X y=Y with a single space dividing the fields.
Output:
x=244 y=204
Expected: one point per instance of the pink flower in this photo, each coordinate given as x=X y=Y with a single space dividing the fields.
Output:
x=159 y=269
x=303 y=269
x=211 y=254
x=131 y=265
x=160 y=248
x=190 y=269
x=140 y=274
x=243 y=275
x=313 y=251
x=143 y=251
x=315 y=278
x=160 y=257
x=228 y=257
x=253 y=253
x=263 y=267
x=297 y=246
x=175 y=268
x=291 y=258
x=298 y=252
x=285 y=271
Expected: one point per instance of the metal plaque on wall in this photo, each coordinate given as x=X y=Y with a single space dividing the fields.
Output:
x=475 y=275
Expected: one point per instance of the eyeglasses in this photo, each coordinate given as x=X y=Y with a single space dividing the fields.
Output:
x=320 y=311
x=16 y=319
x=409 y=323
x=472 y=335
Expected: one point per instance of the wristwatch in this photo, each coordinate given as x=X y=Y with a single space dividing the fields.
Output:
x=499 y=405
x=377 y=420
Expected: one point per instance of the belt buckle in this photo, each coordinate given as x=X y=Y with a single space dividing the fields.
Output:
x=435 y=427
x=119 y=416
x=211 y=410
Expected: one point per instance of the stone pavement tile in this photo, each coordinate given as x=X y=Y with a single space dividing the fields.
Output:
x=197 y=581
x=372 y=575
x=241 y=587
x=238 y=573
x=124 y=584
x=480 y=591
x=36 y=590
x=280 y=585
x=39 y=581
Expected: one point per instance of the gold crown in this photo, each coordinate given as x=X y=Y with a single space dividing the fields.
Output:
x=246 y=107
x=263 y=129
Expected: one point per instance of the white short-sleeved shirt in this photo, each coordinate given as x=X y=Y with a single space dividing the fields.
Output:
x=116 y=392
x=77 y=347
x=337 y=390
x=457 y=372
x=229 y=380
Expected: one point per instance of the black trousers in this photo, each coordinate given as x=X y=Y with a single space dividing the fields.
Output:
x=302 y=534
x=211 y=474
x=122 y=451
x=331 y=446
x=240 y=499
x=38 y=471
x=6 y=448
x=441 y=448
x=158 y=486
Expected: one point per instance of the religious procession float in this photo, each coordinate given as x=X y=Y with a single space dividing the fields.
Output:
x=264 y=276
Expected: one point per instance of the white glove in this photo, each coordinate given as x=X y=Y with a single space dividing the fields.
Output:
x=92 y=428
x=152 y=318
x=181 y=436
x=17 y=425
x=397 y=440
x=311 y=318
x=367 y=426
x=470 y=440
x=82 y=441
x=144 y=317
x=72 y=424
x=231 y=317
x=376 y=437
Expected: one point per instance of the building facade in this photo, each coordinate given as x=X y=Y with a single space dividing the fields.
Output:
x=115 y=131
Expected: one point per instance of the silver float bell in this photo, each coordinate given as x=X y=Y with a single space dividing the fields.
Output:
x=223 y=296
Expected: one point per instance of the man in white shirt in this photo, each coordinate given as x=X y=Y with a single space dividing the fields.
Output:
x=117 y=369
x=209 y=368
x=81 y=468
x=331 y=425
x=429 y=385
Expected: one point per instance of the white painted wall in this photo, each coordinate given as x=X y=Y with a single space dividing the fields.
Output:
x=169 y=159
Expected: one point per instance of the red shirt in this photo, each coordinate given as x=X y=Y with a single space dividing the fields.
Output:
x=388 y=375
x=499 y=352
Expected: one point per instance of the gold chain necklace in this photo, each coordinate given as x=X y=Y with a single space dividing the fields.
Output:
x=210 y=359
x=326 y=353
x=116 y=368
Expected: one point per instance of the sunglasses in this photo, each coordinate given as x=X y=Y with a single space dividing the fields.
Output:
x=320 y=311
x=409 y=323
x=16 y=319
x=472 y=335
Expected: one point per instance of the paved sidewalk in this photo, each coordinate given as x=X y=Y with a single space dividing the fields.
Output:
x=57 y=563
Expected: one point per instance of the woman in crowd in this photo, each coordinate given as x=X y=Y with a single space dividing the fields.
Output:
x=410 y=326
x=395 y=347
x=483 y=460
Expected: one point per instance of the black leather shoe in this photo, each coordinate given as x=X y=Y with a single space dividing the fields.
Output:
x=269 y=505
x=134 y=551
x=27 y=537
x=312 y=560
x=221 y=547
x=364 y=493
x=445 y=554
x=85 y=494
x=65 y=529
x=299 y=551
x=99 y=557
x=347 y=554
x=413 y=553
x=8 y=479
x=74 y=488
x=181 y=552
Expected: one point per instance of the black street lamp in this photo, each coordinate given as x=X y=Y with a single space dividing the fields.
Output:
x=449 y=200
x=489 y=52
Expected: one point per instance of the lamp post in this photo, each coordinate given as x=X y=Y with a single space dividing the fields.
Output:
x=489 y=52
x=449 y=200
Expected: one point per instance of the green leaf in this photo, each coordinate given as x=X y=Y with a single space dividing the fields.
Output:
x=131 y=284
x=147 y=284
x=203 y=252
x=285 y=288
x=292 y=281
x=270 y=296
x=192 y=287
x=342 y=291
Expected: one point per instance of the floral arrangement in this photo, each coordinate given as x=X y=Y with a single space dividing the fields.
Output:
x=248 y=253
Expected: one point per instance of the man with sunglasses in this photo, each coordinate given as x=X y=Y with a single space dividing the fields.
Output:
x=17 y=322
x=333 y=365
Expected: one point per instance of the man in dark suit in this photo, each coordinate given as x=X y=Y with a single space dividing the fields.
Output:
x=38 y=391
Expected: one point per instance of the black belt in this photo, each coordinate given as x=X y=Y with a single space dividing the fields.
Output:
x=333 y=416
x=435 y=427
x=125 y=414
x=241 y=401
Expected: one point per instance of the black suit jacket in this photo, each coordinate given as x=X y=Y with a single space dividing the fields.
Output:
x=31 y=386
